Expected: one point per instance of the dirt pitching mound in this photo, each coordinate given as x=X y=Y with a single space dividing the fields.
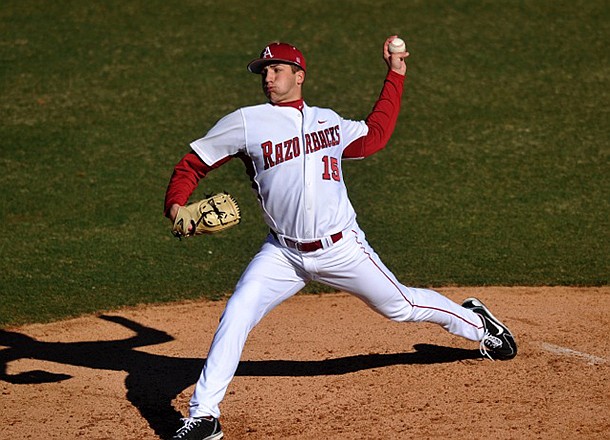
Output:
x=319 y=366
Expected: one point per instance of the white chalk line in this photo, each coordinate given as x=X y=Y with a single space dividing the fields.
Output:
x=564 y=351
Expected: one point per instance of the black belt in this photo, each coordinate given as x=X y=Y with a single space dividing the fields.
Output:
x=307 y=246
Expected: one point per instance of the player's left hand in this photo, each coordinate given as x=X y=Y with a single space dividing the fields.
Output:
x=208 y=216
x=395 y=61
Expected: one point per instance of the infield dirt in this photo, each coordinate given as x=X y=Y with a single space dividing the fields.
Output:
x=319 y=366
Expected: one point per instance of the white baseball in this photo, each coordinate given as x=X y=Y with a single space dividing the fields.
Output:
x=397 y=45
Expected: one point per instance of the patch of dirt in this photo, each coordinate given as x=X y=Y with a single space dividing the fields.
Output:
x=319 y=366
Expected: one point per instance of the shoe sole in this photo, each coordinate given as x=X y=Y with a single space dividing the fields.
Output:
x=216 y=436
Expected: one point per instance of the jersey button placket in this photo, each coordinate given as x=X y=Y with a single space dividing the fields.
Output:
x=308 y=189
x=309 y=199
x=308 y=204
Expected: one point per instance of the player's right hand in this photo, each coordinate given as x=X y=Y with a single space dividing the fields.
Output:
x=395 y=61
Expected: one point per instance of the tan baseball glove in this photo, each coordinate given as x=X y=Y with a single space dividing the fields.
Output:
x=208 y=216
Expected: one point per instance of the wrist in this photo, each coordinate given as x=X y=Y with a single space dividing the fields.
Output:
x=398 y=74
x=173 y=211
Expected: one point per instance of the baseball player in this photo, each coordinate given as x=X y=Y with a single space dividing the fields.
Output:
x=294 y=157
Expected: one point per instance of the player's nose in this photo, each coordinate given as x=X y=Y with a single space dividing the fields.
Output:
x=267 y=75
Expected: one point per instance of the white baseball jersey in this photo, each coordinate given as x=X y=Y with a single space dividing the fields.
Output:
x=296 y=161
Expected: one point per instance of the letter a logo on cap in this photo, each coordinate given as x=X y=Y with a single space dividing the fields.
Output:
x=267 y=53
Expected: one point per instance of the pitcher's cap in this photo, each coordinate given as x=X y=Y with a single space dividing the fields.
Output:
x=277 y=53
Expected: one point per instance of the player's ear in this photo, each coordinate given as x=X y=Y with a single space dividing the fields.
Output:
x=300 y=74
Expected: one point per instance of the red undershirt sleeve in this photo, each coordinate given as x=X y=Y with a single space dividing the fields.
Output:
x=381 y=121
x=185 y=178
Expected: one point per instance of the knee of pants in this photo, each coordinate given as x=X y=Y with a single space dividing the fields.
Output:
x=400 y=311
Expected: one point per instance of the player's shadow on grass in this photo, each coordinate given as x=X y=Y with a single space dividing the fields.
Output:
x=153 y=381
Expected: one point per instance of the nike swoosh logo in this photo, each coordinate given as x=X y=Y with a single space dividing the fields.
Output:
x=500 y=329
x=321 y=122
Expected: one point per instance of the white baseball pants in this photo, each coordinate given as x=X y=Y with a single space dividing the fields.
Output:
x=276 y=273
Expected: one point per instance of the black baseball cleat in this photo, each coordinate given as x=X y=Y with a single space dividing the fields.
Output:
x=498 y=342
x=199 y=428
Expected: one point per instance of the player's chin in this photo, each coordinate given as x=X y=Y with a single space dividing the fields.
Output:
x=270 y=95
x=274 y=99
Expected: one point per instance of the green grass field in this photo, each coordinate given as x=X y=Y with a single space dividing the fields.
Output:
x=497 y=174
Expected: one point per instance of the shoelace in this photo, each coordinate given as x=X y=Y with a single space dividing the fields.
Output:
x=489 y=341
x=189 y=423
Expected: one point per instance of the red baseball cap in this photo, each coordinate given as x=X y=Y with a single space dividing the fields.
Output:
x=277 y=53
